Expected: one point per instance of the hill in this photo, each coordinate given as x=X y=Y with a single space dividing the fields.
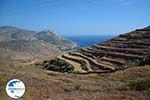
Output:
x=13 y=33
x=55 y=39
x=8 y=33
x=126 y=50
x=25 y=45
x=23 y=50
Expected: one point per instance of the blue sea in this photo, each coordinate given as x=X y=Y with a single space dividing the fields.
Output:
x=84 y=41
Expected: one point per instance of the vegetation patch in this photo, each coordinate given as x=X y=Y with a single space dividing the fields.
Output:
x=3 y=81
x=145 y=61
x=137 y=85
x=58 y=65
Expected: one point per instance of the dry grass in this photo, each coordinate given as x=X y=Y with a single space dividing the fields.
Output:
x=43 y=85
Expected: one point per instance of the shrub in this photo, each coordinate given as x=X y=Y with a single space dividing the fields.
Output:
x=139 y=85
x=145 y=61
x=77 y=87
x=59 y=66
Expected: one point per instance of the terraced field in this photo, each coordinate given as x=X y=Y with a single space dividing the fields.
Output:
x=126 y=50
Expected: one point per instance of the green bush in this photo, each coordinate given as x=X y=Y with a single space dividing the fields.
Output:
x=139 y=85
x=145 y=62
x=59 y=66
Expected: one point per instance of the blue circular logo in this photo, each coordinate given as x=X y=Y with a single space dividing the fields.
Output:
x=15 y=88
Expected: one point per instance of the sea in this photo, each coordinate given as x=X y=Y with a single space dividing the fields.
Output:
x=85 y=41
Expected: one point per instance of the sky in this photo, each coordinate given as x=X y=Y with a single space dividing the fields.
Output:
x=76 y=17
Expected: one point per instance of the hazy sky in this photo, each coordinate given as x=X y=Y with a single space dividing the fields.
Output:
x=76 y=17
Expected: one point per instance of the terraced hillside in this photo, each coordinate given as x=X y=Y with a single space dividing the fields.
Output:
x=127 y=50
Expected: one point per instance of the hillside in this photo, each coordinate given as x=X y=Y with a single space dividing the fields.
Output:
x=55 y=39
x=126 y=50
x=23 y=50
x=25 y=45
x=8 y=33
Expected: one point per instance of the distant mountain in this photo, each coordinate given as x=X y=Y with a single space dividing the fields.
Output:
x=53 y=38
x=16 y=43
x=13 y=33
x=8 y=33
